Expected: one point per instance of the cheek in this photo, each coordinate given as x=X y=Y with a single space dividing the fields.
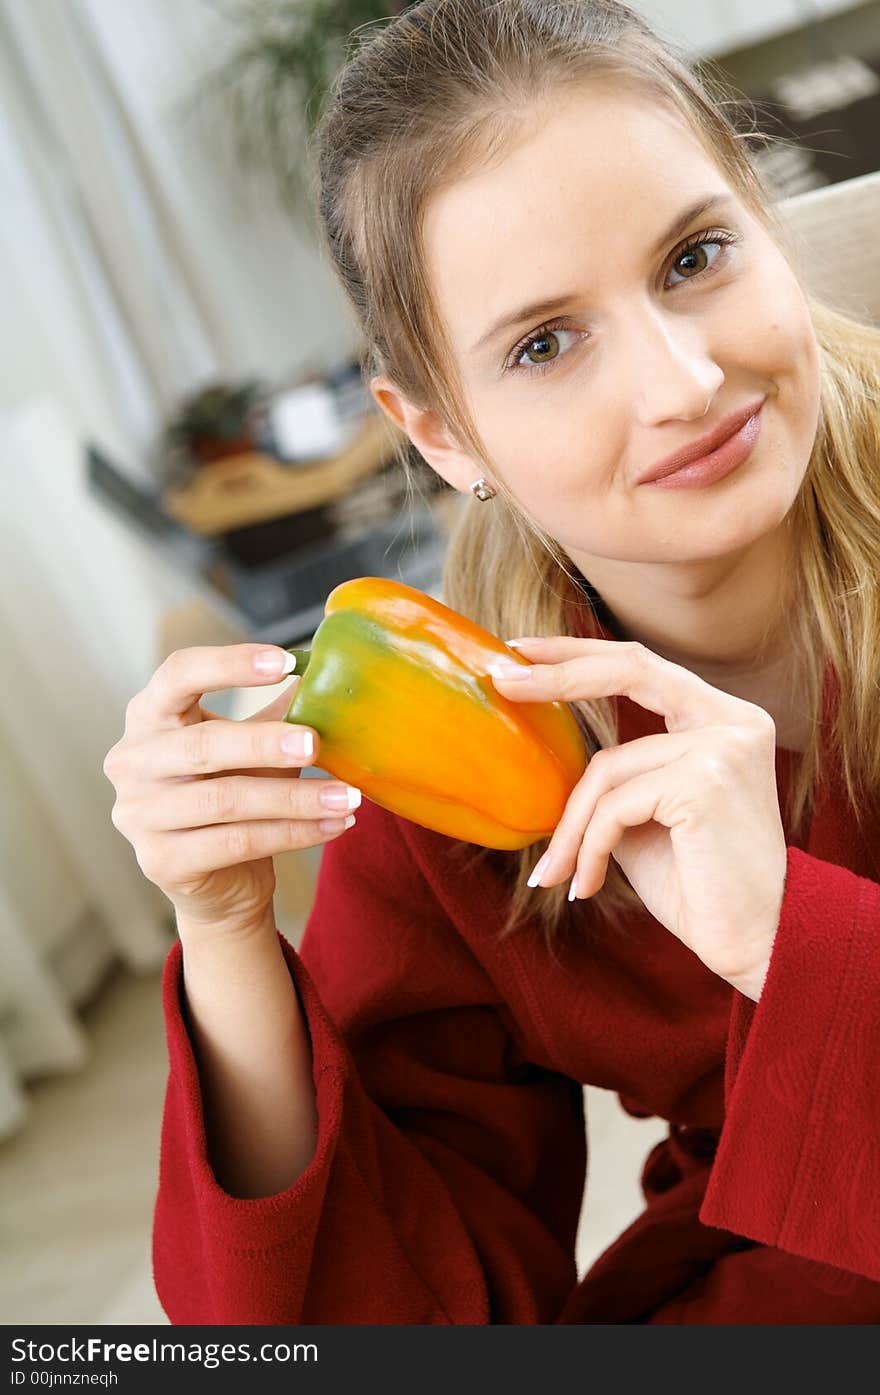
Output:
x=536 y=443
x=782 y=350
x=781 y=331
x=788 y=362
x=795 y=368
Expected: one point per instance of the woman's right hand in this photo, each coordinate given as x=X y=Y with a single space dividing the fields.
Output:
x=207 y=802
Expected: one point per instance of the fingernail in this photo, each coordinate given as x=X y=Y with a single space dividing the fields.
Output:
x=506 y=669
x=572 y=893
x=275 y=661
x=349 y=797
x=298 y=743
x=539 y=868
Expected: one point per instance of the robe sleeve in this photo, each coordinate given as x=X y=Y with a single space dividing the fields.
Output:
x=798 y=1161
x=449 y=1170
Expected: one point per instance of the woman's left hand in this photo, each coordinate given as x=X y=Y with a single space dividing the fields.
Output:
x=692 y=815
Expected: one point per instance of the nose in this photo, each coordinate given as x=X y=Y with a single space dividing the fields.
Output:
x=672 y=373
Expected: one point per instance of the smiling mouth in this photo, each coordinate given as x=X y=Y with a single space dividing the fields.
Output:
x=720 y=462
x=705 y=447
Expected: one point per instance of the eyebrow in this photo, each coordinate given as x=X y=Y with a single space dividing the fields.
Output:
x=540 y=309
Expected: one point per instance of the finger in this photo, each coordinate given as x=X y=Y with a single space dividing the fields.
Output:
x=240 y=798
x=552 y=649
x=173 y=691
x=636 y=802
x=584 y=671
x=272 y=712
x=171 y=859
x=608 y=768
x=209 y=747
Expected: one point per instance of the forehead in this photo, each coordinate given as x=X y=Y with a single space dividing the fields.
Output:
x=600 y=175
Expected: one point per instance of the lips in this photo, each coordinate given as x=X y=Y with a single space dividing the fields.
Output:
x=704 y=446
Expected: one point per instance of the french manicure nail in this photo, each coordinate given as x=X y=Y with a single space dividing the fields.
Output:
x=349 y=797
x=572 y=893
x=505 y=669
x=298 y=743
x=539 y=869
x=274 y=661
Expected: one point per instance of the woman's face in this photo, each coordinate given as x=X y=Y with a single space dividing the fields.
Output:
x=649 y=347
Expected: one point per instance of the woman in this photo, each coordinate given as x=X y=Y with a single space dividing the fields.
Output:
x=567 y=273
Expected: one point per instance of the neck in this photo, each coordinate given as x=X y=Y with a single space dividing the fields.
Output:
x=724 y=617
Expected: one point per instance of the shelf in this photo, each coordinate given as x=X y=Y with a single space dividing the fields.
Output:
x=254 y=487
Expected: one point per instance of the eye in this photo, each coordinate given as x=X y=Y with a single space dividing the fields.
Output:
x=693 y=253
x=545 y=343
x=696 y=262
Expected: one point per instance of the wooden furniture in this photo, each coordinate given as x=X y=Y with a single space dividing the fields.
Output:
x=836 y=228
x=254 y=487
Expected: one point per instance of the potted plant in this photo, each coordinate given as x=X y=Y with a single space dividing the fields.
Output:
x=218 y=420
x=273 y=83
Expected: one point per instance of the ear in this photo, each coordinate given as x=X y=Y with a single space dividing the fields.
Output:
x=428 y=434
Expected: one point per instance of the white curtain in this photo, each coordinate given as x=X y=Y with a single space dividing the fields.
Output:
x=74 y=157
x=134 y=266
x=72 y=897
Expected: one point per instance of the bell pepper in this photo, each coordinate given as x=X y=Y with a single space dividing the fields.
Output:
x=396 y=686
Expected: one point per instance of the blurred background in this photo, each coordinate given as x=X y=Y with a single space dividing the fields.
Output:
x=190 y=456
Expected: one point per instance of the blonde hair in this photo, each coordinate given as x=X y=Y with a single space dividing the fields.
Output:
x=441 y=90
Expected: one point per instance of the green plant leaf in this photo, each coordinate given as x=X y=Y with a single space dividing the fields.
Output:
x=273 y=85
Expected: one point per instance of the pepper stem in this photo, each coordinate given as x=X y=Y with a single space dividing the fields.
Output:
x=302 y=657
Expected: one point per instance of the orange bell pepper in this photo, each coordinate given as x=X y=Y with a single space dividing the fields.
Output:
x=397 y=687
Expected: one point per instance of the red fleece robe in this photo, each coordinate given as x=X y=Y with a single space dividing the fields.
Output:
x=447 y=1181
